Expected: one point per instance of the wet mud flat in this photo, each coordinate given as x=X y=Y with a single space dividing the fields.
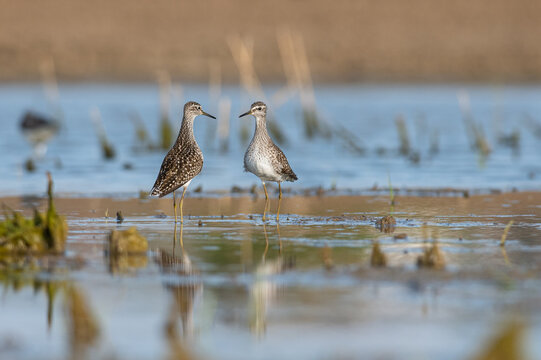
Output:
x=226 y=285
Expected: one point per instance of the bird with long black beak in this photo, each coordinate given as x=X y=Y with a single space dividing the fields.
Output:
x=183 y=162
x=263 y=158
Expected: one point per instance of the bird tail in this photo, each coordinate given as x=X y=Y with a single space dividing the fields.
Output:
x=155 y=192
x=292 y=177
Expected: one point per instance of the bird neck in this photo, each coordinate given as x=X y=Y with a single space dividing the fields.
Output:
x=185 y=134
x=260 y=129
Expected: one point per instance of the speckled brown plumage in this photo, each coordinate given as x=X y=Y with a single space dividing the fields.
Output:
x=185 y=160
x=282 y=164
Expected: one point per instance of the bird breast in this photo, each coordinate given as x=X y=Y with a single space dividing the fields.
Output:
x=260 y=165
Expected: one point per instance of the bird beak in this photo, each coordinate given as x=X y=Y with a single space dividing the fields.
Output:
x=249 y=112
x=207 y=114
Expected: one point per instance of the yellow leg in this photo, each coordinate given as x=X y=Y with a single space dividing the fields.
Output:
x=266 y=242
x=175 y=207
x=279 y=202
x=181 y=241
x=181 y=202
x=266 y=200
x=279 y=238
x=175 y=239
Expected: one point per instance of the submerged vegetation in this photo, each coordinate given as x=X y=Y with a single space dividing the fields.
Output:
x=107 y=148
x=505 y=232
x=378 y=258
x=431 y=258
x=45 y=232
x=506 y=344
x=83 y=327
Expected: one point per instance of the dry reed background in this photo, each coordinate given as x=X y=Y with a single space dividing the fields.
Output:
x=418 y=40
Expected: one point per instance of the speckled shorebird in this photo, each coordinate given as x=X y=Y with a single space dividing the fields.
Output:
x=263 y=158
x=184 y=161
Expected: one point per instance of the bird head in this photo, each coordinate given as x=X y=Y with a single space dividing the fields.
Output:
x=258 y=109
x=193 y=109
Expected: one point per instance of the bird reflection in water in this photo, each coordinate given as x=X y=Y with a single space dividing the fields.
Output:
x=185 y=293
x=265 y=289
x=38 y=129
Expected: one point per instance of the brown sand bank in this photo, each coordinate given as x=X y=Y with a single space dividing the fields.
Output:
x=334 y=207
x=419 y=40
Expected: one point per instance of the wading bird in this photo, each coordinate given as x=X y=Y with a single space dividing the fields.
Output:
x=263 y=158
x=184 y=161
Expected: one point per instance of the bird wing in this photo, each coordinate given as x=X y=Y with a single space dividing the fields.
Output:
x=179 y=166
x=283 y=168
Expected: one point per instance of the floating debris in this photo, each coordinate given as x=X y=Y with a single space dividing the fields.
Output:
x=505 y=231
x=400 y=236
x=386 y=224
x=378 y=258
x=432 y=258
x=44 y=232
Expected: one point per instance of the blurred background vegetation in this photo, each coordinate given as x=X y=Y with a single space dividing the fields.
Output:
x=345 y=41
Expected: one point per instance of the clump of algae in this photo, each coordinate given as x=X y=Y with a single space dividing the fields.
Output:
x=386 y=224
x=127 y=242
x=126 y=250
x=45 y=232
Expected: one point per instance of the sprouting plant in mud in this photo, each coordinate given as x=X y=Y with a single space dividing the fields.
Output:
x=45 y=232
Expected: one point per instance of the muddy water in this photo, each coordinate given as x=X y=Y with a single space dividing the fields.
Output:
x=239 y=288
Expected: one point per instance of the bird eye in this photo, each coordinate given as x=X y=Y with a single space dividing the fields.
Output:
x=259 y=108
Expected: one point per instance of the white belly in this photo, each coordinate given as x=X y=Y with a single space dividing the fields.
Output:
x=260 y=166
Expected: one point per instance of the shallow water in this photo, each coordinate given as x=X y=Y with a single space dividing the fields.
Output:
x=242 y=289
x=367 y=112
